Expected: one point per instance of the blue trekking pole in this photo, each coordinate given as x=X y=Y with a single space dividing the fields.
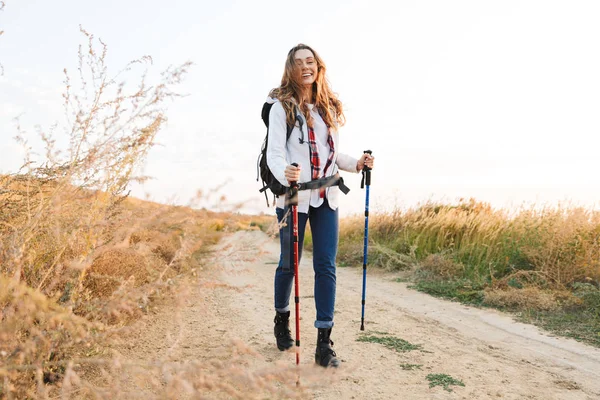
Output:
x=366 y=179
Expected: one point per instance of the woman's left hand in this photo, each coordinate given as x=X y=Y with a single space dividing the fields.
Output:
x=365 y=160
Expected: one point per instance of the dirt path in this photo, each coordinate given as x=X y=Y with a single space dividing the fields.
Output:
x=491 y=354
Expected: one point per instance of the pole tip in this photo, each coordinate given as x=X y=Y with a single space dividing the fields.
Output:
x=362 y=327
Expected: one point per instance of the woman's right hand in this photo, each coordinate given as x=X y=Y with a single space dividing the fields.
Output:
x=292 y=174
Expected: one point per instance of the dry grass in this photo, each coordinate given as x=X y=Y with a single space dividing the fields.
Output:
x=79 y=259
x=441 y=266
x=530 y=298
x=561 y=244
x=540 y=261
x=50 y=340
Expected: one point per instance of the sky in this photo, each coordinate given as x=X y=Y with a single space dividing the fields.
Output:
x=496 y=100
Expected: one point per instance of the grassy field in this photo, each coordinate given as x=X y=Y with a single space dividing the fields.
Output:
x=541 y=264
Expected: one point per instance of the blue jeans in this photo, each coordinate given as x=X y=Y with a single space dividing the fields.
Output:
x=324 y=228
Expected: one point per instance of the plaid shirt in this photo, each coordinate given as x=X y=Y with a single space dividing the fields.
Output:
x=315 y=160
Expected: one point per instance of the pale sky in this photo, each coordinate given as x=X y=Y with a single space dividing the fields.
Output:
x=497 y=100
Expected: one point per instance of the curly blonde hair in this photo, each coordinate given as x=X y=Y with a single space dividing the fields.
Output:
x=324 y=99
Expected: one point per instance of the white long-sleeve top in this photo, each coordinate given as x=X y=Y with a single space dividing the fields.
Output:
x=281 y=153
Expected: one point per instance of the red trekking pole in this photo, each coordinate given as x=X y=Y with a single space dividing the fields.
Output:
x=293 y=202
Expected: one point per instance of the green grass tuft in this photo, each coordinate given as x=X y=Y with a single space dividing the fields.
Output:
x=410 y=367
x=461 y=290
x=391 y=342
x=581 y=326
x=443 y=380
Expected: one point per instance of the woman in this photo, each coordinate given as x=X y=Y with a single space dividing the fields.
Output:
x=314 y=146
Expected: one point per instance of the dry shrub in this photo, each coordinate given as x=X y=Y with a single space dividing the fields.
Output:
x=350 y=253
x=440 y=266
x=167 y=246
x=66 y=271
x=124 y=278
x=79 y=259
x=387 y=258
x=113 y=267
x=143 y=236
x=522 y=279
x=530 y=298
x=164 y=245
x=35 y=333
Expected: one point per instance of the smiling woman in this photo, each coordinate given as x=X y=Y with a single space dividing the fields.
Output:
x=306 y=66
x=304 y=77
x=304 y=95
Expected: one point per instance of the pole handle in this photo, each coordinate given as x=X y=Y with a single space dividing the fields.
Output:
x=292 y=193
x=369 y=152
x=294 y=184
x=366 y=173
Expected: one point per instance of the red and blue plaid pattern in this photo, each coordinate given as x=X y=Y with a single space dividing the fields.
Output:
x=315 y=160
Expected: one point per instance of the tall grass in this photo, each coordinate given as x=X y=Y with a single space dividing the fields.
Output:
x=80 y=260
x=544 y=263
x=78 y=257
x=555 y=246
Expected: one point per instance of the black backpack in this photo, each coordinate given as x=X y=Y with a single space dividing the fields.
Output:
x=262 y=169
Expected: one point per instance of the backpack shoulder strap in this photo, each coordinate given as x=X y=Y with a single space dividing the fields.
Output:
x=266 y=109
x=288 y=133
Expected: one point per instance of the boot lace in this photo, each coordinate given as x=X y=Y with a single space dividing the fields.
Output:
x=327 y=350
x=285 y=332
x=330 y=350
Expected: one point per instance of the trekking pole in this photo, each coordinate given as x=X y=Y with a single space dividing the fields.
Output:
x=293 y=202
x=366 y=179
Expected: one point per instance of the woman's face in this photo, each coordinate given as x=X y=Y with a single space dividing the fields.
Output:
x=306 y=67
